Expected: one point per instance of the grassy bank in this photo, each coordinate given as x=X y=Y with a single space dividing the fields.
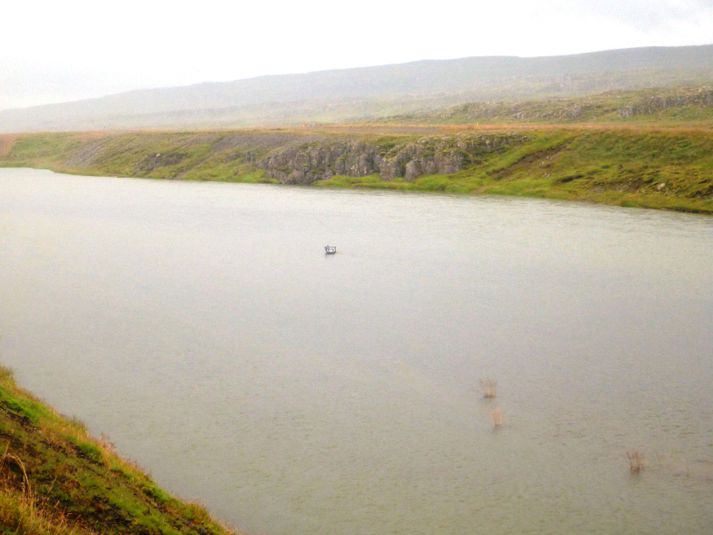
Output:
x=657 y=169
x=56 y=479
x=666 y=168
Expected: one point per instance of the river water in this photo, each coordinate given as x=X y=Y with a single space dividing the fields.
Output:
x=201 y=327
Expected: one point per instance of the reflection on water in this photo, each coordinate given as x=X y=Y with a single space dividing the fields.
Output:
x=202 y=327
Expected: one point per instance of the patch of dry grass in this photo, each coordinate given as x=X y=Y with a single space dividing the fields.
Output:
x=6 y=143
x=20 y=509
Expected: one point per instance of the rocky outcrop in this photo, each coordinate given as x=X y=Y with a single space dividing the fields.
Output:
x=305 y=163
x=153 y=161
x=655 y=103
x=308 y=162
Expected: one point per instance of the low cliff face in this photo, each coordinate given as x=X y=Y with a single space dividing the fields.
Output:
x=646 y=106
x=286 y=157
x=309 y=162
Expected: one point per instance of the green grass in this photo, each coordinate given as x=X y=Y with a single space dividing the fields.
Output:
x=55 y=478
x=187 y=156
x=369 y=181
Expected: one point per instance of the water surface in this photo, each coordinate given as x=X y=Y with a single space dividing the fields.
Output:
x=203 y=329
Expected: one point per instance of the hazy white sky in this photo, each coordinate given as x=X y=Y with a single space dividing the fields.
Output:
x=52 y=50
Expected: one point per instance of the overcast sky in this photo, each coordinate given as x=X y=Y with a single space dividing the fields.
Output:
x=57 y=50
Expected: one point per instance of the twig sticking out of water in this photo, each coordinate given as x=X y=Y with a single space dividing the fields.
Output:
x=489 y=388
x=497 y=417
x=636 y=461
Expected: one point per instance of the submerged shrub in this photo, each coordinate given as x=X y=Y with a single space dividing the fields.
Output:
x=497 y=417
x=636 y=461
x=489 y=388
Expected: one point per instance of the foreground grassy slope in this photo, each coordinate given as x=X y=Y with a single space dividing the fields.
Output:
x=668 y=168
x=56 y=479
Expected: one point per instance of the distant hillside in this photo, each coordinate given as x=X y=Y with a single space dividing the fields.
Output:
x=677 y=105
x=373 y=92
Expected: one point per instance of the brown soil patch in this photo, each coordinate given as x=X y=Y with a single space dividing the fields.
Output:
x=6 y=143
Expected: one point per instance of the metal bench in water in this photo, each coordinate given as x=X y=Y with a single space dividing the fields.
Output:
x=330 y=249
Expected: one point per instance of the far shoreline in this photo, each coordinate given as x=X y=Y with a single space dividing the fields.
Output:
x=644 y=167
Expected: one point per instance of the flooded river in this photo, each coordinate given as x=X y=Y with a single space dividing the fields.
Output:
x=202 y=327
